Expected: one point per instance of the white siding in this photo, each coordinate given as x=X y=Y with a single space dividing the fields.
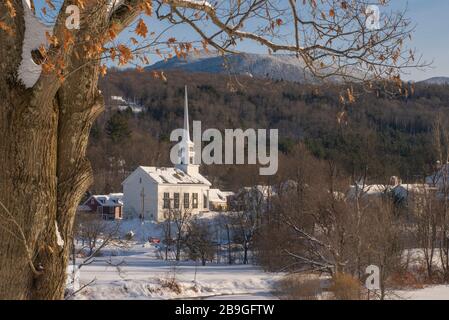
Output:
x=133 y=186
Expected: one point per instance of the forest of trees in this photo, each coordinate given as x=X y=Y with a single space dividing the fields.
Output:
x=386 y=135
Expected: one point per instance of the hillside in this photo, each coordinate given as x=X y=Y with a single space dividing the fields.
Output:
x=436 y=80
x=390 y=136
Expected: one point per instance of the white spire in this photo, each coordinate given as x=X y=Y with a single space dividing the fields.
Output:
x=187 y=152
x=186 y=117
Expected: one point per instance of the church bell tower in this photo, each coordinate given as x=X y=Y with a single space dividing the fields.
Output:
x=187 y=150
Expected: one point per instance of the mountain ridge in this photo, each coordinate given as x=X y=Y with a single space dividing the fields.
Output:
x=273 y=67
x=436 y=80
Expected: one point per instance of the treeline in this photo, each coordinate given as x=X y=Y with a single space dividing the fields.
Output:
x=377 y=133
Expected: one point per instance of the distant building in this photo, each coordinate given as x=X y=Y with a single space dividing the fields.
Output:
x=252 y=198
x=121 y=104
x=109 y=207
x=219 y=200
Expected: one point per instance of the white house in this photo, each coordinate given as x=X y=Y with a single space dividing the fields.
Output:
x=152 y=192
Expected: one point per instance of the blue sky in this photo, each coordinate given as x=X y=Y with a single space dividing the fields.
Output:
x=432 y=34
x=431 y=37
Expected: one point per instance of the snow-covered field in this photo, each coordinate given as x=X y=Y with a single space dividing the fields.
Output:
x=438 y=292
x=137 y=271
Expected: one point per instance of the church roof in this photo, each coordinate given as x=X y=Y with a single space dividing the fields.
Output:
x=166 y=175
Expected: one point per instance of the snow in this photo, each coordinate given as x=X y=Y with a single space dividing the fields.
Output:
x=114 y=4
x=216 y=195
x=29 y=72
x=166 y=175
x=199 y=2
x=134 y=108
x=73 y=278
x=110 y=200
x=118 y=98
x=138 y=273
x=440 y=292
x=59 y=239
x=136 y=270
x=141 y=230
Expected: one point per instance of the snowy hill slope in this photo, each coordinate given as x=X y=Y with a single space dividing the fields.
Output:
x=274 y=67
x=436 y=80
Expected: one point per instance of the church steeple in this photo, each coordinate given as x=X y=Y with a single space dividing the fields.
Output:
x=186 y=117
x=187 y=151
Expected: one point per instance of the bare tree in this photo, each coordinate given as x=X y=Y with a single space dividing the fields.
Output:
x=175 y=229
x=441 y=183
x=426 y=208
x=224 y=223
x=200 y=244
x=244 y=228
x=48 y=105
x=90 y=228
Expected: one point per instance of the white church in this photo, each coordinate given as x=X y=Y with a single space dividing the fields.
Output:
x=151 y=193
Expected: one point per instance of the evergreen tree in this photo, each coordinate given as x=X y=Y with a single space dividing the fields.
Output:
x=117 y=128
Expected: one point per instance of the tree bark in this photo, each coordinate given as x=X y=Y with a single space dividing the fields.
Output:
x=43 y=168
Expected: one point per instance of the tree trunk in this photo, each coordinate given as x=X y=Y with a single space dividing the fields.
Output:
x=43 y=168
x=41 y=183
x=43 y=174
x=245 y=253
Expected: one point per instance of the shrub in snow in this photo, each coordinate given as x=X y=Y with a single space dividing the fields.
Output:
x=300 y=287
x=129 y=235
x=171 y=284
x=346 y=287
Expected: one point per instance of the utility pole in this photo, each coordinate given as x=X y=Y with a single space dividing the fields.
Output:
x=168 y=240
x=142 y=215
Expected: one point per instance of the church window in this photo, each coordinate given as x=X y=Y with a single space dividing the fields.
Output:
x=166 y=200
x=176 y=200
x=194 y=200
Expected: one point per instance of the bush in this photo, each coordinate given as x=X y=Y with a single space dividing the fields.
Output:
x=407 y=280
x=300 y=287
x=171 y=284
x=129 y=235
x=346 y=287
